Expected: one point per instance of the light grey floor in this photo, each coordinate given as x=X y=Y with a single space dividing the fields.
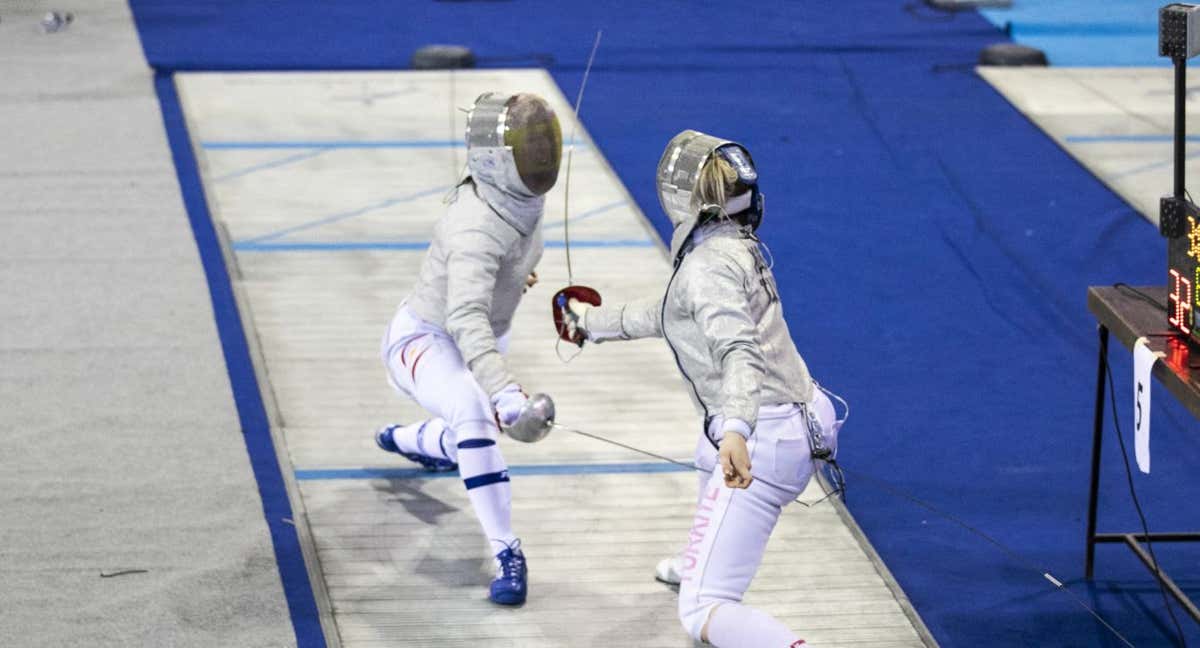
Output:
x=1118 y=122
x=120 y=447
x=327 y=184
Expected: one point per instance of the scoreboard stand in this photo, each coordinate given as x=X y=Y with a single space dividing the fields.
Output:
x=1178 y=216
x=1131 y=314
x=1137 y=314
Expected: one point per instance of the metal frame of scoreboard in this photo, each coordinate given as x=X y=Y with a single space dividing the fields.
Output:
x=1179 y=218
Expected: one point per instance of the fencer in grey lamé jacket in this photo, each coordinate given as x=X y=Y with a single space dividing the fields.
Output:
x=721 y=316
x=472 y=279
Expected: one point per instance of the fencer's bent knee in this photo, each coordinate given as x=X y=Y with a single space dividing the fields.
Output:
x=694 y=612
x=469 y=410
x=476 y=430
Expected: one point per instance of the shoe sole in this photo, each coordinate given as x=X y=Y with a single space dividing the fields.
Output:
x=509 y=600
x=379 y=443
x=671 y=584
x=430 y=467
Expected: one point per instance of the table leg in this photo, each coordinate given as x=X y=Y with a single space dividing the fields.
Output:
x=1097 y=436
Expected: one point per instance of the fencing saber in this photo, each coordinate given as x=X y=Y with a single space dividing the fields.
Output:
x=536 y=421
x=560 y=302
x=570 y=154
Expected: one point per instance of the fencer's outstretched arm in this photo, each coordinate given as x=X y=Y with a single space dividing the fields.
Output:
x=471 y=267
x=721 y=307
x=640 y=318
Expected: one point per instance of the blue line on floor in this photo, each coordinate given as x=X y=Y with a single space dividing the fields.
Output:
x=1087 y=29
x=350 y=246
x=346 y=144
x=265 y=242
x=252 y=413
x=343 y=215
x=270 y=165
x=318 y=246
x=531 y=470
x=333 y=144
x=1149 y=167
x=586 y=215
x=1124 y=139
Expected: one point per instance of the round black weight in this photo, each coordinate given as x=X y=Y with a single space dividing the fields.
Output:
x=1010 y=54
x=442 y=57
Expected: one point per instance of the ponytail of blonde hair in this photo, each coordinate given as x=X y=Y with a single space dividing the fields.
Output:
x=717 y=182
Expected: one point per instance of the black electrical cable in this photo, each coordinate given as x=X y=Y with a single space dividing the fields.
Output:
x=888 y=488
x=938 y=14
x=1124 y=287
x=965 y=68
x=836 y=477
x=540 y=58
x=1112 y=394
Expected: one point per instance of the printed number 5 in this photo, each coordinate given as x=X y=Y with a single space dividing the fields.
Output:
x=1138 y=424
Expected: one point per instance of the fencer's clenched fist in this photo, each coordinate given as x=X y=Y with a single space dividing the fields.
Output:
x=735 y=460
x=508 y=403
x=570 y=306
x=576 y=311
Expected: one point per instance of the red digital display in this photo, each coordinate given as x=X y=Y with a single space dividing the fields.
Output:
x=1179 y=302
x=1178 y=355
x=1183 y=276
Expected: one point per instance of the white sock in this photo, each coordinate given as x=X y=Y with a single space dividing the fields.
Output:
x=485 y=475
x=429 y=437
x=733 y=625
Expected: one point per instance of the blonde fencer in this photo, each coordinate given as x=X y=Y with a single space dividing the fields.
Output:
x=764 y=416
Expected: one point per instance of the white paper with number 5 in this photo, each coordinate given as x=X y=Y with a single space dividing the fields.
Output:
x=1143 y=362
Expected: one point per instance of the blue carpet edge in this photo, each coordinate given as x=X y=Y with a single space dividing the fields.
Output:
x=252 y=414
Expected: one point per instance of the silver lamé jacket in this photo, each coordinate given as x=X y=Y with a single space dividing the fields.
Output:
x=472 y=279
x=721 y=316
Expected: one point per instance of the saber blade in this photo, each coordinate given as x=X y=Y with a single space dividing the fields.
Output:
x=570 y=153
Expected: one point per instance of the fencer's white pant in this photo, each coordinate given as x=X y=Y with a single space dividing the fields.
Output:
x=731 y=527
x=424 y=363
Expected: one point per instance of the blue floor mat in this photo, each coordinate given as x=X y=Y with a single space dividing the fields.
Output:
x=1084 y=32
x=933 y=249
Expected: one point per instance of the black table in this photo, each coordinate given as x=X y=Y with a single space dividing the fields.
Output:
x=1121 y=311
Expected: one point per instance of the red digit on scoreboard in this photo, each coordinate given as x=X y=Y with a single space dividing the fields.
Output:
x=1185 y=306
x=1179 y=302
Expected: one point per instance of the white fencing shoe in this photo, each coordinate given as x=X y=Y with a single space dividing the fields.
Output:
x=669 y=570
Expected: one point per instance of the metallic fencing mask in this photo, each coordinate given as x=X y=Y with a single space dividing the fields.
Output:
x=525 y=125
x=678 y=178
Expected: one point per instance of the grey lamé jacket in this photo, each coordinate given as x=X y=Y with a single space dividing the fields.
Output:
x=722 y=318
x=472 y=279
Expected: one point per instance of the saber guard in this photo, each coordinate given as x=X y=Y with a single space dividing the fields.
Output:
x=535 y=421
x=562 y=313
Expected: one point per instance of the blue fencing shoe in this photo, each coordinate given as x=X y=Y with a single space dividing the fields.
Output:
x=509 y=586
x=383 y=439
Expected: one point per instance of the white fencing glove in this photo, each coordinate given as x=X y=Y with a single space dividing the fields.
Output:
x=508 y=403
x=576 y=310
